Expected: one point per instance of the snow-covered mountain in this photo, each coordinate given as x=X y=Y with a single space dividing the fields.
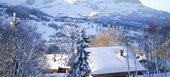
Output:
x=80 y=8
x=115 y=10
x=83 y=7
x=83 y=12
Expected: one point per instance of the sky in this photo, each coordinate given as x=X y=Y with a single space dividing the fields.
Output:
x=157 y=4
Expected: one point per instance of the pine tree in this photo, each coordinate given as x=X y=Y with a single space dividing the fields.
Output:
x=79 y=64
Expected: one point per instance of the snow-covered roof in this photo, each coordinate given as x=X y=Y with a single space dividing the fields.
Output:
x=105 y=60
x=57 y=60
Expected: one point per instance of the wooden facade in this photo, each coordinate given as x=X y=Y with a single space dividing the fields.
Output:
x=112 y=75
x=54 y=71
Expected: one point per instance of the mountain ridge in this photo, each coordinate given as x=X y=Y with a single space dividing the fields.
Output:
x=74 y=7
x=113 y=10
x=49 y=15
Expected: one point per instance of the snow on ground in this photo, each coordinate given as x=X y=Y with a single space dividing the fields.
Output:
x=155 y=75
x=45 y=30
x=55 y=75
x=90 y=28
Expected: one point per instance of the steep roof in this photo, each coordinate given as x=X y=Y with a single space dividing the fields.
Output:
x=105 y=60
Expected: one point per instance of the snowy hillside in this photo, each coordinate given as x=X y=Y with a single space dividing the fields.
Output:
x=59 y=23
x=82 y=12
x=81 y=8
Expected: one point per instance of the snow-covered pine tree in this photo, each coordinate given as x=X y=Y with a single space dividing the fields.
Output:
x=79 y=64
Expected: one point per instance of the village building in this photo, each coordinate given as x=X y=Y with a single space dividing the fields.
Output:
x=114 y=62
x=56 y=63
x=104 y=62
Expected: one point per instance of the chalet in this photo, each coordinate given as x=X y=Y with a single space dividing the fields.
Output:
x=104 y=62
x=56 y=63
x=114 y=62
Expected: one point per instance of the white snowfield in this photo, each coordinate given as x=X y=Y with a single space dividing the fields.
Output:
x=155 y=75
x=47 y=31
x=105 y=60
x=55 y=75
x=81 y=8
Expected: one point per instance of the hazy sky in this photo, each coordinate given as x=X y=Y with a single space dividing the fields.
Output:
x=157 y=4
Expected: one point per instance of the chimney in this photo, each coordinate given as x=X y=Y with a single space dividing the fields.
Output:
x=122 y=53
